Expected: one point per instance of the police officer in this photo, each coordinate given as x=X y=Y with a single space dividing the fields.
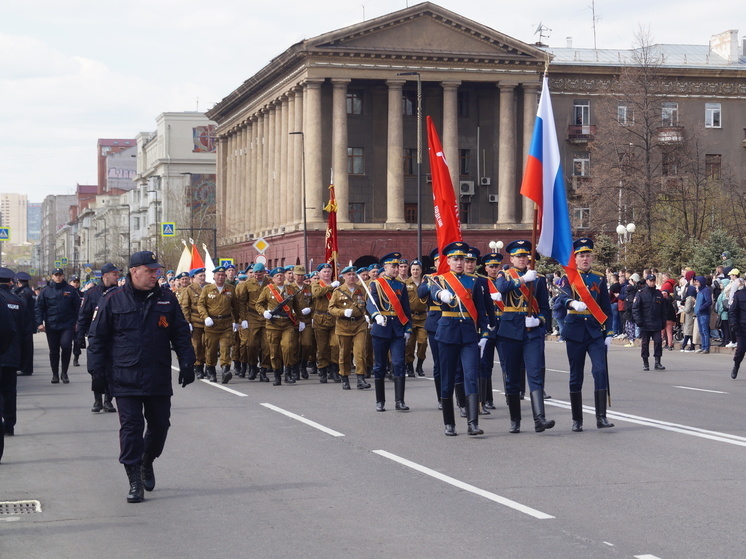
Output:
x=584 y=334
x=492 y=264
x=77 y=347
x=389 y=308
x=327 y=346
x=522 y=330
x=109 y=280
x=418 y=307
x=347 y=305
x=257 y=352
x=189 y=302
x=218 y=307
x=56 y=313
x=129 y=347
x=8 y=342
x=10 y=358
x=24 y=291
x=461 y=335
x=647 y=311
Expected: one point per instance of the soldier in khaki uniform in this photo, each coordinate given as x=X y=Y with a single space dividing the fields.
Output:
x=307 y=342
x=182 y=282
x=254 y=341
x=231 y=273
x=347 y=305
x=189 y=306
x=418 y=308
x=218 y=307
x=327 y=346
x=281 y=320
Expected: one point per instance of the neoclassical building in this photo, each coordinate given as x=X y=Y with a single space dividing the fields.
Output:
x=336 y=108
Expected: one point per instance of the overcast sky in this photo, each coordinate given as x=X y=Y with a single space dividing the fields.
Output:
x=75 y=71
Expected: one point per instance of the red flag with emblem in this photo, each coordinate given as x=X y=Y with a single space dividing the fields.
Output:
x=332 y=248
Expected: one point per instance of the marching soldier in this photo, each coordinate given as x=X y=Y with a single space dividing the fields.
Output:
x=231 y=278
x=389 y=307
x=522 y=330
x=256 y=352
x=584 y=334
x=182 y=282
x=189 y=302
x=307 y=342
x=418 y=307
x=280 y=308
x=327 y=345
x=218 y=307
x=403 y=270
x=461 y=335
x=431 y=323
x=492 y=264
x=347 y=305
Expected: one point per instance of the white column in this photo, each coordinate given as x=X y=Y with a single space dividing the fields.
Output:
x=450 y=130
x=339 y=149
x=530 y=94
x=315 y=185
x=394 y=160
x=292 y=186
x=506 y=185
x=299 y=142
x=282 y=162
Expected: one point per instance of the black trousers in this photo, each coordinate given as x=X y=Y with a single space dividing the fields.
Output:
x=645 y=335
x=27 y=354
x=8 y=383
x=740 y=349
x=134 y=412
x=60 y=343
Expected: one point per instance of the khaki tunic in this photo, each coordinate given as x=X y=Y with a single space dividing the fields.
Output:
x=418 y=307
x=280 y=330
x=189 y=302
x=351 y=331
x=222 y=308
x=327 y=346
x=253 y=340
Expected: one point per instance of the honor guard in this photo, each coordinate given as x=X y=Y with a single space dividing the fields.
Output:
x=218 y=307
x=306 y=339
x=492 y=263
x=431 y=322
x=347 y=305
x=522 y=330
x=584 y=334
x=388 y=306
x=461 y=335
x=327 y=347
x=189 y=302
x=418 y=307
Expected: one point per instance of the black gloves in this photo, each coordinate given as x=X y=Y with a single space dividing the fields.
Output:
x=98 y=383
x=186 y=376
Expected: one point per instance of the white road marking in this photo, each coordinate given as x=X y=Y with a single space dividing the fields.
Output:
x=646 y=557
x=216 y=385
x=701 y=389
x=465 y=486
x=302 y=419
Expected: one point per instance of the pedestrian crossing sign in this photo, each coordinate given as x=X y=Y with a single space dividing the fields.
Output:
x=4 y=234
x=58 y=264
x=225 y=262
x=168 y=229
x=64 y=261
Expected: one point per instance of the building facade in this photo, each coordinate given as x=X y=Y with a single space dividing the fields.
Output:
x=14 y=214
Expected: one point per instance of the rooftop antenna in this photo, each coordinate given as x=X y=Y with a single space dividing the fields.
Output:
x=363 y=7
x=542 y=31
x=595 y=19
x=197 y=104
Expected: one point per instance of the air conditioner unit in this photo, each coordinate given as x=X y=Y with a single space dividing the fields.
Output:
x=428 y=177
x=493 y=198
x=485 y=181
x=466 y=188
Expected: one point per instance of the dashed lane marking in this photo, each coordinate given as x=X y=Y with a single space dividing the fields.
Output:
x=302 y=419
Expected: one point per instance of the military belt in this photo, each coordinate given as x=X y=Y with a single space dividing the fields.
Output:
x=221 y=316
x=452 y=314
x=387 y=313
x=418 y=313
x=571 y=311
x=433 y=308
x=514 y=309
x=351 y=318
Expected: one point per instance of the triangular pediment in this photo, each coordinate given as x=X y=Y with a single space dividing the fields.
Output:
x=425 y=31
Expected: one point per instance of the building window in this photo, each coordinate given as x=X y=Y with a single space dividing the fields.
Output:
x=670 y=114
x=409 y=103
x=463 y=104
x=581 y=164
x=464 y=162
x=354 y=101
x=136 y=223
x=581 y=112
x=713 y=166
x=464 y=212
x=410 y=213
x=410 y=161
x=356 y=161
x=357 y=212
x=712 y=115
x=581 y=218
x=625 y=115
x=669 y=165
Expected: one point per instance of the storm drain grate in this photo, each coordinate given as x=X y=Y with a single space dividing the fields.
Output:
x=19 y=507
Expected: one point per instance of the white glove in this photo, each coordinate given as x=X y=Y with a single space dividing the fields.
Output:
x=367 y=319
x=244 y=324
x=532 y=322
x=578 y=305
x=529 y=276
x=209 y=322
x=496 y=296
x=301 y=326
x=607 y=341
x=407 y=335
x=235 y=326
x=335 y=283
x=445 y=296
x=380 y=320
x=306 y=310
x=348 y=313
x=482 y=344
x=267 y=315
x=191 y=328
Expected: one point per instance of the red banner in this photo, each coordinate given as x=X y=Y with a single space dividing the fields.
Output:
x=332 y=248
x=447 y=222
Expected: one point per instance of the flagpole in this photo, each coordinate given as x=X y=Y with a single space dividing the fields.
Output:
x=532 y=261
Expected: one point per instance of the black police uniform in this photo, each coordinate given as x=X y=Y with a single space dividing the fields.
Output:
x=57 y=308
x=10 y=359
x=25 y=292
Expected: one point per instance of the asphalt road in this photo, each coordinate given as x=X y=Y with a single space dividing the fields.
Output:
x=244 y=475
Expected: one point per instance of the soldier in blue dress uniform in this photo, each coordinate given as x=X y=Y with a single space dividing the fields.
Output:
x=584 y=334
x=431 y=322
x=461 y=335
x=522 y=330
x=390 y=332
x=492 y=265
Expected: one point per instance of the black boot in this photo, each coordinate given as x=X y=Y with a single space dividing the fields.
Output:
x=410 y=369
x=645 y=365
x=278 y=378
x=304 y=370
x=361 y=383
x=380 y=394
x=472 y=411
x=108 y=407
x=253 y=370
x=514 y=408
x=334 y=368
x=448 y=417
x=399 y=393
x=237 y=367
x=576 y=404
x=289 y=376
x=55 y=377
x=314 y=369
x=147 y=473
x=489 y=402
x=76 y=363
x=418 y=369
x=295 y=370
x=460 y=398
x=322 y=374
x=227 y=375
x=658 y=366
x=482 y=382
x=345 y=382
x=263 y=375
x=601 y=421
x=134 y=475
x=241 y=369
x=199 y=371
x=734 y=372
x=212 y=375
x=98 y=405
x=537 y=406
x=64 y=378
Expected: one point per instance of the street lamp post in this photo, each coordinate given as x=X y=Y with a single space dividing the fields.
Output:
x=303 y=188
x=157 y=222
x=624 y=233
x=129 y=231
x=419 y=158
x=496 y=245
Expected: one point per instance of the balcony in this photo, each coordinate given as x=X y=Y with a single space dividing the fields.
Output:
x=581 y=133
x=670 y=134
